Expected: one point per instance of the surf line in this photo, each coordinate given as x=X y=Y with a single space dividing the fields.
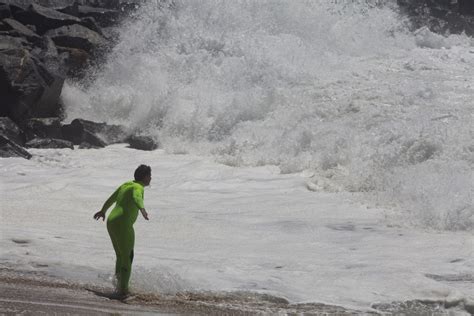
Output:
x=96 y=309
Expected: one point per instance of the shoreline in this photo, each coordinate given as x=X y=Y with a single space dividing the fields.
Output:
x=31 y=293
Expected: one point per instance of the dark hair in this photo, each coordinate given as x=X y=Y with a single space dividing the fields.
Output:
x=141 y=172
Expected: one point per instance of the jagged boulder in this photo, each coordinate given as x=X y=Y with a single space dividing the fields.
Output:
x=142 y=142
x=49 y=127
x=75 y=60
x=11 y=140
x=8 y=42
x=28 y=89
x=105 y=17
x=440 y=16
x=49 y=143
x=45 y=18
x=9 y=148
x=95 y=134
x=22 y=30
x=92 y=24
x=77 y=36
x=11 y=131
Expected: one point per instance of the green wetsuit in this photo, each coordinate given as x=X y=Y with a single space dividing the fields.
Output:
x=129 y=200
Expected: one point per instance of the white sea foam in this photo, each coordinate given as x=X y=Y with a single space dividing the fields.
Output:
x=339 y=88
x=217 y=229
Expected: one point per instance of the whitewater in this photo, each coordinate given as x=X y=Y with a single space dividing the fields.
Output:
x=318 y=151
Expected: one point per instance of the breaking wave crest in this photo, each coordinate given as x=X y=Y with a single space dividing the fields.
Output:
x=341 y=88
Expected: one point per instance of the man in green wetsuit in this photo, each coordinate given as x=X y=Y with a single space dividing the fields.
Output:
x=129 y=200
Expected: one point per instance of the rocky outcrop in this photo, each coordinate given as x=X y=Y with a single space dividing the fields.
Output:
x=43 y=128
x=441 y=16
x=49 y=143
x=92 y=133
x=11 y=131
x=11 y=140
x=142 y=142
x=11 y=149
x=44 y=19
x=77 y=36
x=42 y=42
x=27 y=87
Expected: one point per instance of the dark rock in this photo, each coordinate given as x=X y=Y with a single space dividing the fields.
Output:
x=105 y=17
x=77 y=135
x=9 y=148
x=31 y=27
x=45 y=18
x=17 y=5
x=91 y=23
x=55 y=4
x=75 y=60
x=11 y=131
x=5 y=11
x=43 y=128
x=3 y=27
x=440 y=16
x=466 y=7
x=49 y=143
x=142 y=143
x=72 y=9
x=22 y=29
x=96 y=134
x=77 y=36
x=27 y=87
x=11 y=42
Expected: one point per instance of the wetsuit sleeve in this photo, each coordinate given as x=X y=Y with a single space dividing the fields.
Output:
x=111 y=200
x=138 y=196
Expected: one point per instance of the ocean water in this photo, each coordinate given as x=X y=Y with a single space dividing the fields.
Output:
x=316 y=151
x=339 y=89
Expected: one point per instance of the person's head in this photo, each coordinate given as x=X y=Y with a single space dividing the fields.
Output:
x=143 y=174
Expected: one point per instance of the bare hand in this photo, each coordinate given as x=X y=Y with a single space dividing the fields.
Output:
x=99 y=215
x=144 y=214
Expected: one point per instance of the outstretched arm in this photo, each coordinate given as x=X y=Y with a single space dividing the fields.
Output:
x=111 y=200
x=138 y=193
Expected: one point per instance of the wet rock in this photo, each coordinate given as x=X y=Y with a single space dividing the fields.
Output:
x=5 y=11
x=96 y=134
x=105 y=17
x=440 y=16
x=75 y=60
x=466 y=7
x=11 y=131
x=9 y=148
x=47 y=52
x=142 y=142
x=43 y=128
x=49 y=143
x=21 y=29
x=8 y=42
x=77 y=36
x=92 y=24
x=77 y=135
x=27 y=87
x=45 y=18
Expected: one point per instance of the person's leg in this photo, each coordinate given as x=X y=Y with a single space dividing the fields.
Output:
x=125 y=244
x=114 y=233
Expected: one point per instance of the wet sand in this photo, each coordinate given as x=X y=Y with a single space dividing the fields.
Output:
x=30 y=297
x=28 y=293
